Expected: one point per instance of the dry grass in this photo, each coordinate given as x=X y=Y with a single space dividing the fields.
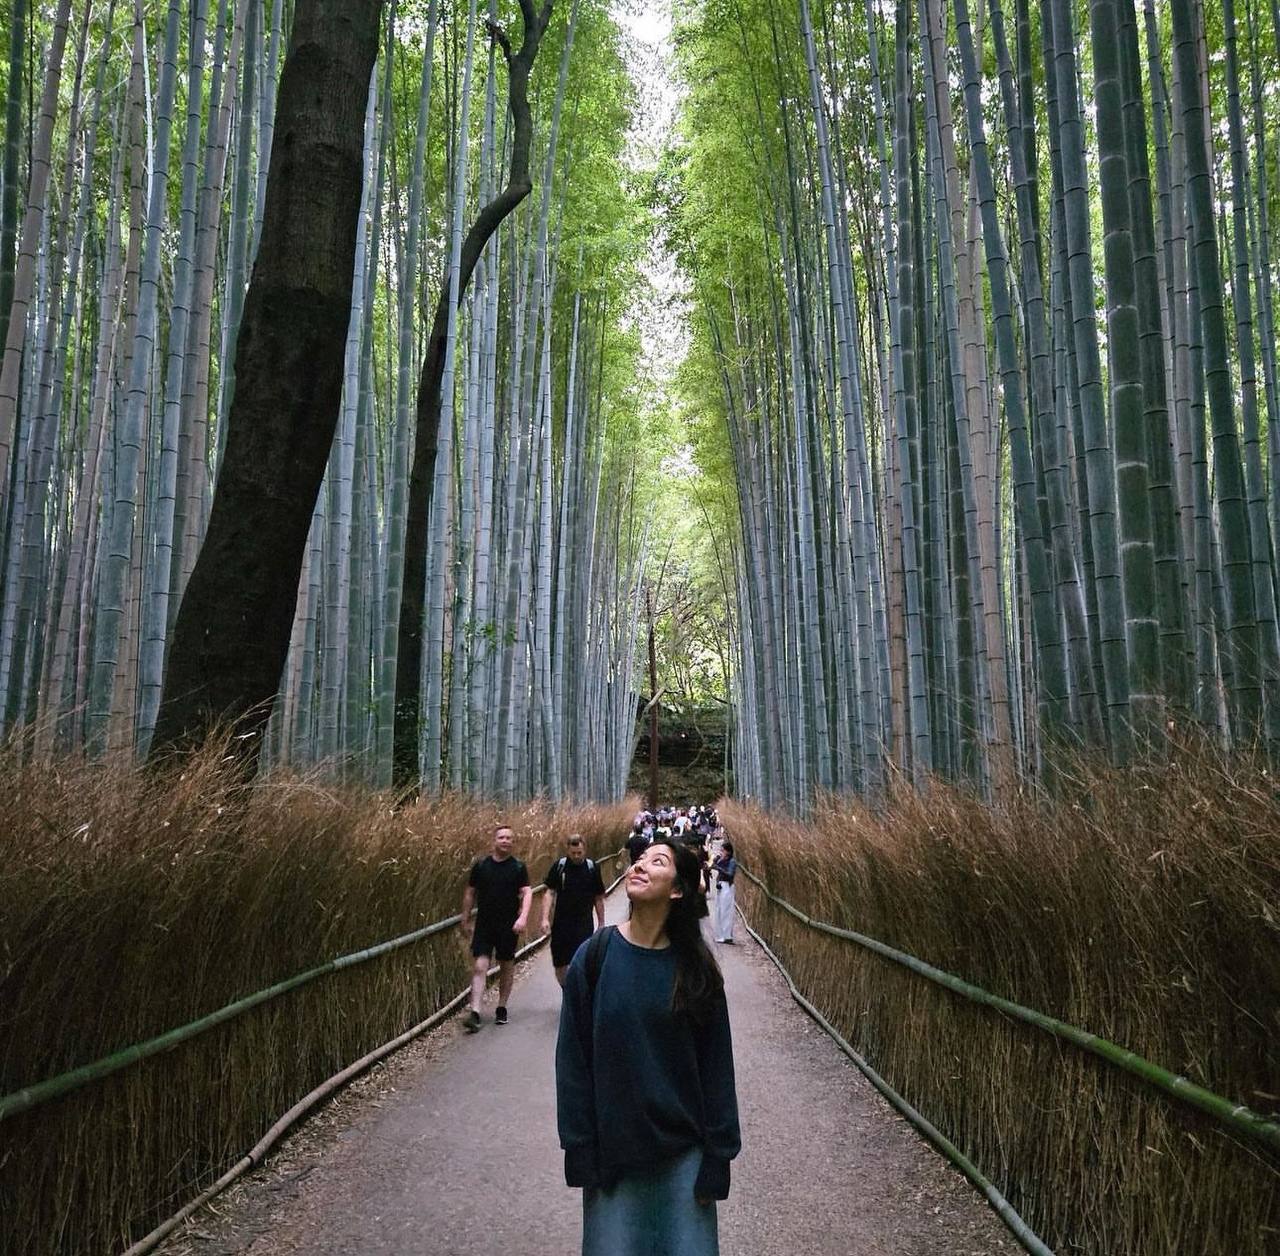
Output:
x=130 y=904
x=1144 y=906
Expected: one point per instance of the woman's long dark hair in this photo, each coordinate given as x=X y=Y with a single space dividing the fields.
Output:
x=698 y=976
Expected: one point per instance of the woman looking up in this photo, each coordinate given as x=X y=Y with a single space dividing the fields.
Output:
x=645 y=1097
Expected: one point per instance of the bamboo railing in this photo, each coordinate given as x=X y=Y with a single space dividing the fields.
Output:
x=1235 y=1116
x=41 y=1092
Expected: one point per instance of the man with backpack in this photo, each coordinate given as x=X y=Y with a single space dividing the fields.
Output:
x=639 y=840
x=575 y=890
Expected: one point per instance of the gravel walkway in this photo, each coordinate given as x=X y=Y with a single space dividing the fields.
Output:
x=451 y=1148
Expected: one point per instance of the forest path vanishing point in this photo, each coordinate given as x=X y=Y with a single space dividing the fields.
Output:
x=451 y=1148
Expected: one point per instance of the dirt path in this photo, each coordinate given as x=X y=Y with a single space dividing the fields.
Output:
x=451 y=1148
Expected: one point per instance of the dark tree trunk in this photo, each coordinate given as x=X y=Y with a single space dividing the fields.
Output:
x=232 y=632
x=408 y=699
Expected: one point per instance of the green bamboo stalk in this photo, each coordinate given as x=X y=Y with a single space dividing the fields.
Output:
x=12 y=152
x=19 y=287
x=1155 y=346
x=1099 y=463
x=1241 y=636
x=1125 y=375
x=1053 y=688
x=1260 y=539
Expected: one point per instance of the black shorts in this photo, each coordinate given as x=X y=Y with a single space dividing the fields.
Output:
x=564 y=942
x=488 y=939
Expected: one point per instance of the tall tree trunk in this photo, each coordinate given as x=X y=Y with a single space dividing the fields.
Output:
x=422 y=474
x=442 y=494
x=233 y=627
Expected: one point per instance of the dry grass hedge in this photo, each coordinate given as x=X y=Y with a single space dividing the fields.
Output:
x=1144 y=906
x=132 y=903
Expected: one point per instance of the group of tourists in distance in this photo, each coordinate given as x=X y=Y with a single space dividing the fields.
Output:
x=645 y=1097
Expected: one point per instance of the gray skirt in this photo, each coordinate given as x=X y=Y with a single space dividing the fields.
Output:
x=651 y=1214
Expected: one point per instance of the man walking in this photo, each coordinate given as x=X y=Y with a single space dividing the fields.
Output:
x=498 y=888
x=574 y=890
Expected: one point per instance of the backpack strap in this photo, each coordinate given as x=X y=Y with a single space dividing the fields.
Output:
x=594 y=960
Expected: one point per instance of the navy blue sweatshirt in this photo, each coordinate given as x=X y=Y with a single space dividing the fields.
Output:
x=637 y=1084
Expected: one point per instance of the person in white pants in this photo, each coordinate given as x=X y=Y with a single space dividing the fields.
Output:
x=726 y=869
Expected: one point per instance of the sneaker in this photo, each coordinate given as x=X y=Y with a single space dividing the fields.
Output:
x=472 y=1023
x=500 y=1016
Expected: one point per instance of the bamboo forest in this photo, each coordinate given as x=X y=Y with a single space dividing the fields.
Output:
x=837 y=438
x=979 y=416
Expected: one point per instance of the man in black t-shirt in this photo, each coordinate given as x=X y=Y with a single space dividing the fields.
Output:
x=498 y=888
x=574 y=889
